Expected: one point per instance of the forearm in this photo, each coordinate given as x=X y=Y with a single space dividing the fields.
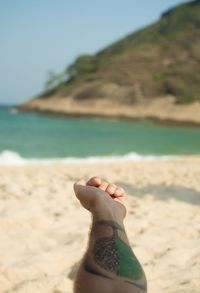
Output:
x=109 y=264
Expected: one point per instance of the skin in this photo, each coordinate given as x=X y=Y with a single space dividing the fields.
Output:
x=109 y=264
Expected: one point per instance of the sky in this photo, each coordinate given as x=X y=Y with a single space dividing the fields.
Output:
x=38 y=36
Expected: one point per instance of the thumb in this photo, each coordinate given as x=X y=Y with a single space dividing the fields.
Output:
x=86 y=194
x=78 y=186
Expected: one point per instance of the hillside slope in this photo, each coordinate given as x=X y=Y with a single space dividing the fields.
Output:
x=153 y=73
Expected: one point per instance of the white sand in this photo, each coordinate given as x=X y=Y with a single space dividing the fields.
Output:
x=43 y=229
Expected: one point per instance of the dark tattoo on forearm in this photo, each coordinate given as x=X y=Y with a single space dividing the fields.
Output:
x=115 y=256
x=105 y=254
x=92 y=271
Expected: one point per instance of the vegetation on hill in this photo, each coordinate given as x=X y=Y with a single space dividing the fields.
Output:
x=162 y=59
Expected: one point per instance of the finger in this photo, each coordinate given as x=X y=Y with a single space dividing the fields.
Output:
x=81 y=182
x=111 y=189
x=103 y=185
x=94 y=181
x=119 y=192
x=119 y=199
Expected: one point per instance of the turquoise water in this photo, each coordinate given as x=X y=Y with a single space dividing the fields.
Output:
x=35 y=136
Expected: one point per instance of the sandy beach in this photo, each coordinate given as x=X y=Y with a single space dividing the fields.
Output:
x=43 y=229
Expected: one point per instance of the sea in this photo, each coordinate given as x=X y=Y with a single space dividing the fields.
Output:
x=31 y=138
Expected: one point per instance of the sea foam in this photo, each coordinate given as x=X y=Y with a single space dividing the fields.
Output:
x=12 y=158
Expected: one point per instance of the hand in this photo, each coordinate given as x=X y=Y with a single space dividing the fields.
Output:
x=102 y=199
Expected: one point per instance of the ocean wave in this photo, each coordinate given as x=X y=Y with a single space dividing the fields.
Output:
x=12 y=158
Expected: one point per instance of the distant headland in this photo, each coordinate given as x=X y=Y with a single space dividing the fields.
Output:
x=152 y=74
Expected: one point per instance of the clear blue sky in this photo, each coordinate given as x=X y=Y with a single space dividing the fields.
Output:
x=41 y=35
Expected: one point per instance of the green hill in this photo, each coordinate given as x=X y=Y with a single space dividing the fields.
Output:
x=160 y=61
x=163 y=58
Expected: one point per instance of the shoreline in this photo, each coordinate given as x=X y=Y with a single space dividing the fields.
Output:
x=10 y=158
x=160 y=110
x=120 y=117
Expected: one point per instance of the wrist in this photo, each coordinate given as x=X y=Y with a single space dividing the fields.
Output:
x=107 y=215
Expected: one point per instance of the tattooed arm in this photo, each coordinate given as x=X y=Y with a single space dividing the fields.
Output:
x=109 y=264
